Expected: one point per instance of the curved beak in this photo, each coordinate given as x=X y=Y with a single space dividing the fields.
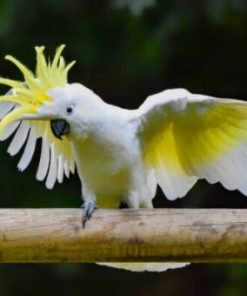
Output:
x=59 y=128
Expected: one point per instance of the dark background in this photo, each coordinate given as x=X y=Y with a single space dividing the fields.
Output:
x=126 y=50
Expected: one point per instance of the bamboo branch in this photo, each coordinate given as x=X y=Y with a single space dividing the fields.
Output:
x=56 y=235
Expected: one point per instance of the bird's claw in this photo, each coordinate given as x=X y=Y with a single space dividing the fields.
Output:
x=88 y=209
x=123 y=205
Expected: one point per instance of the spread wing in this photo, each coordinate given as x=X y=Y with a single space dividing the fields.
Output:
x=56 y=157
x=185 y=137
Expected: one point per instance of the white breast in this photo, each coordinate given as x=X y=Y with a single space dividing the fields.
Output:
x=107 y=156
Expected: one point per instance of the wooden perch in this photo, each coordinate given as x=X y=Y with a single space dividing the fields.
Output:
x=56 y=235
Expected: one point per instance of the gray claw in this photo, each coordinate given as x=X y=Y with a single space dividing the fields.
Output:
x=88 y=209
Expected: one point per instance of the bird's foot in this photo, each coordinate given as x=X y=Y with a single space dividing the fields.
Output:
x=88 y=209
x=123 y=205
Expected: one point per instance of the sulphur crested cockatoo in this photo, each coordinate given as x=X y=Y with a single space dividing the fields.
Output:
x=173 y=139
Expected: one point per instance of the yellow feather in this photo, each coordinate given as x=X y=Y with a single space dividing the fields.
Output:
x=193 y=139
x=25 y=71
x=12 y=116
x=32 y=93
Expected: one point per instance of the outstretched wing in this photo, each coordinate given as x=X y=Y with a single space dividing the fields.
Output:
x=185 y=137
x=56 y=157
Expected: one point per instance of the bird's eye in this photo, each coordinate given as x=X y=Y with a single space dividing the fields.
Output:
x=69 y=110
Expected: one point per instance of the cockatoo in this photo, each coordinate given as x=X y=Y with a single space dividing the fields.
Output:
x=173 y=139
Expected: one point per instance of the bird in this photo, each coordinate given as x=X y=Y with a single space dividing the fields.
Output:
x=172 y=140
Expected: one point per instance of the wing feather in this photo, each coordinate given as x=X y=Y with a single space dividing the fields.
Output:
x=186 y=137
x=28 y=151
x=56 y=158
x=66 y=169
x=19 y=138
x=5 y=108
x=44 y=161
x=52 y=174
x=9 y=130
x=60 y=169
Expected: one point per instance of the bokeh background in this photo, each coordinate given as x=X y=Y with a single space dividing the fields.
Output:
x=126 y=50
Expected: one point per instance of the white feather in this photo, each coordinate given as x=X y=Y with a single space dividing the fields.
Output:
x=28 y=152
x=140 y=267
x=174 y=185
x=52 y=174
x=60 y=169
x=44 y=160
x=9 y=130
x=229 y=170
x=5 y=107
x=72 y=167
x=19 y=138
x=66 y=168
x=151 y=182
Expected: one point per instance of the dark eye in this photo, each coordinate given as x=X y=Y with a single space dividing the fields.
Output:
x=69 y=110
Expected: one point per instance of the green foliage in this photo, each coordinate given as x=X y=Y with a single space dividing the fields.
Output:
x=126 y=50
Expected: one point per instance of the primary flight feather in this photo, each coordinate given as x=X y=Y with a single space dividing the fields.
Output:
x=173 y=139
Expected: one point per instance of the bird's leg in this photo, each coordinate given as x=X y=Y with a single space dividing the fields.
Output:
x=88 y=208
x=123 y=205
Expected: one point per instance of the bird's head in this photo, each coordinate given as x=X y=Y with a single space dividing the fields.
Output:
x=46 y=94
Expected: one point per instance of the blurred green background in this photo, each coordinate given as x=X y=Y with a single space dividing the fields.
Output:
x=125 y=51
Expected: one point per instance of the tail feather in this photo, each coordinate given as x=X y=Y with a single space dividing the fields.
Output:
x=140 y=267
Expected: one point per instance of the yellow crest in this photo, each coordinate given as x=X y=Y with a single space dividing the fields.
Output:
x=30 y=93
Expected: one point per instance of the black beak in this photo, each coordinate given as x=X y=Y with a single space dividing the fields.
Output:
x=59 y=128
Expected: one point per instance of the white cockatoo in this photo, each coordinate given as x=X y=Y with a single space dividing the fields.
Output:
x=173 y=139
